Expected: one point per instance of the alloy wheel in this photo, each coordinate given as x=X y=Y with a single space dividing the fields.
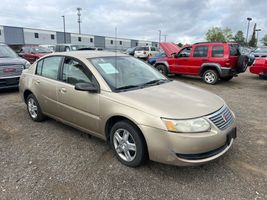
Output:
x=32 y=107
x=124 y=145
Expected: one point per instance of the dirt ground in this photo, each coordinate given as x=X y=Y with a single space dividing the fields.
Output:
x=50 y=160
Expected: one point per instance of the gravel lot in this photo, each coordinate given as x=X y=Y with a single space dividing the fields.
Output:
x=52 y=161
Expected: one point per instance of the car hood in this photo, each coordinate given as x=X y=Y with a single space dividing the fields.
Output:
x=174 y=100
x=169 y=48
x=12 y=61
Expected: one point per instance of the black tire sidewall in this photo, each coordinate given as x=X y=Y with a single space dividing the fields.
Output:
x=40 y=117
x=216 y=76
x=139 y=142
x=163 y=68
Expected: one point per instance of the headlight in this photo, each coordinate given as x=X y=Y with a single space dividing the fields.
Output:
x=27 y=64
x=187 y=126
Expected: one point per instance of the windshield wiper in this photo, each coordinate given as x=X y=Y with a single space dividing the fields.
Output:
x=127 y=87
x=156 y=81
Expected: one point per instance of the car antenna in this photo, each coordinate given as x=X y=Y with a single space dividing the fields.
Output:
x=116 y=52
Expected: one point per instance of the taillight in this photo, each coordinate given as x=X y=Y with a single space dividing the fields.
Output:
x=144 y=52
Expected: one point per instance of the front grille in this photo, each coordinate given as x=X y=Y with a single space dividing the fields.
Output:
x=223 y=118
x=11 y=70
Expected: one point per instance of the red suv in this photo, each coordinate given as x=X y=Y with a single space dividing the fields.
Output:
x=210 y=60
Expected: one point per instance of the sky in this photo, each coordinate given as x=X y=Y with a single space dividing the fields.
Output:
x=185 y=21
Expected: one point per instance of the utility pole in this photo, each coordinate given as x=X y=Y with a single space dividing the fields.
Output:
x=64 y=29
x=249 y=19
x=159 y=37
x=79 y=18
x=257 y=30
x=165 y=37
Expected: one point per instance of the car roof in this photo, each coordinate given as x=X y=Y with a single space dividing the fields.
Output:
x=89 y=54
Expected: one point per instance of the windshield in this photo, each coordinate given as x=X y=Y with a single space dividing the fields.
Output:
x=41 y=50
x=127 y=73
x=261 y=50
x=6 y=52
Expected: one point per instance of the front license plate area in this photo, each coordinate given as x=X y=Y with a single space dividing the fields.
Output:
x=231 y=135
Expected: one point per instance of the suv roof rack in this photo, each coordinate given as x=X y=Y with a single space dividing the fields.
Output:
x=208 y=42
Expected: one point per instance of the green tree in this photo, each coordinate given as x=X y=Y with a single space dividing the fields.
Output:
x=239 y=38
x=217 y=34
x=227 y=32
x=264 y=40
x=253 y=40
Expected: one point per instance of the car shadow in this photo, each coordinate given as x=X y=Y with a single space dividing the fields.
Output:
x=8 y=91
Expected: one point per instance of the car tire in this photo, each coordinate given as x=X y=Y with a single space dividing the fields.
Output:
x=210 y=76
x=228 y=78
x=162 y=69
x=128 y=144
x=242 y=63
x=34 y=109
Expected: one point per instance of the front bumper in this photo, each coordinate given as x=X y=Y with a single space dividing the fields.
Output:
x=9 y=82
x=187 y=149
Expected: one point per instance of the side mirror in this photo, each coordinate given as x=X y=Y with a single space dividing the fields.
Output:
x=90 y=87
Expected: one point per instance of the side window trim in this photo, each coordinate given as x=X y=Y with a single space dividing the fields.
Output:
x=59 y=67
x=86 y=69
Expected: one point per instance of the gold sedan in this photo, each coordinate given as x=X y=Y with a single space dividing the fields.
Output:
x=140 y=112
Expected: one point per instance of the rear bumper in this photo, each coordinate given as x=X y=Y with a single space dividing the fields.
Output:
x=9 y=82
x=225 y=72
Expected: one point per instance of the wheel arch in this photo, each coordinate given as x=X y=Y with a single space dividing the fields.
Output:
x=165 y=63
x=26 y=93
x=207 y=66
x=116 y=118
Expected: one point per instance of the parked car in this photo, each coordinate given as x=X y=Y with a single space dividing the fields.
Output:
x=152 y=60
x=260 y=52
x=49 y=46
x=33 y=53
x=248 y=52
x=145 y=52
x=107 y=96
x=11 y=66
x=258 y=66
x=72 y=47
x=130 y=51
x=210 y=60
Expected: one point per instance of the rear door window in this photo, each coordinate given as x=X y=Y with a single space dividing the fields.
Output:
x=153 y=49
x=217 y=51
x=201 y=51
x=49 y=67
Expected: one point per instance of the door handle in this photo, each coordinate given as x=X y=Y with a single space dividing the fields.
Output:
x=63 y=90
x=37 y=82
x=205 y=59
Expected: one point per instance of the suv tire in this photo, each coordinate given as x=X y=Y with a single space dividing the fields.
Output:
x=162 y=69
x=128 y=144
x=34 y=109
x=228 y=78
x=210 y=76
x=242 y=63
